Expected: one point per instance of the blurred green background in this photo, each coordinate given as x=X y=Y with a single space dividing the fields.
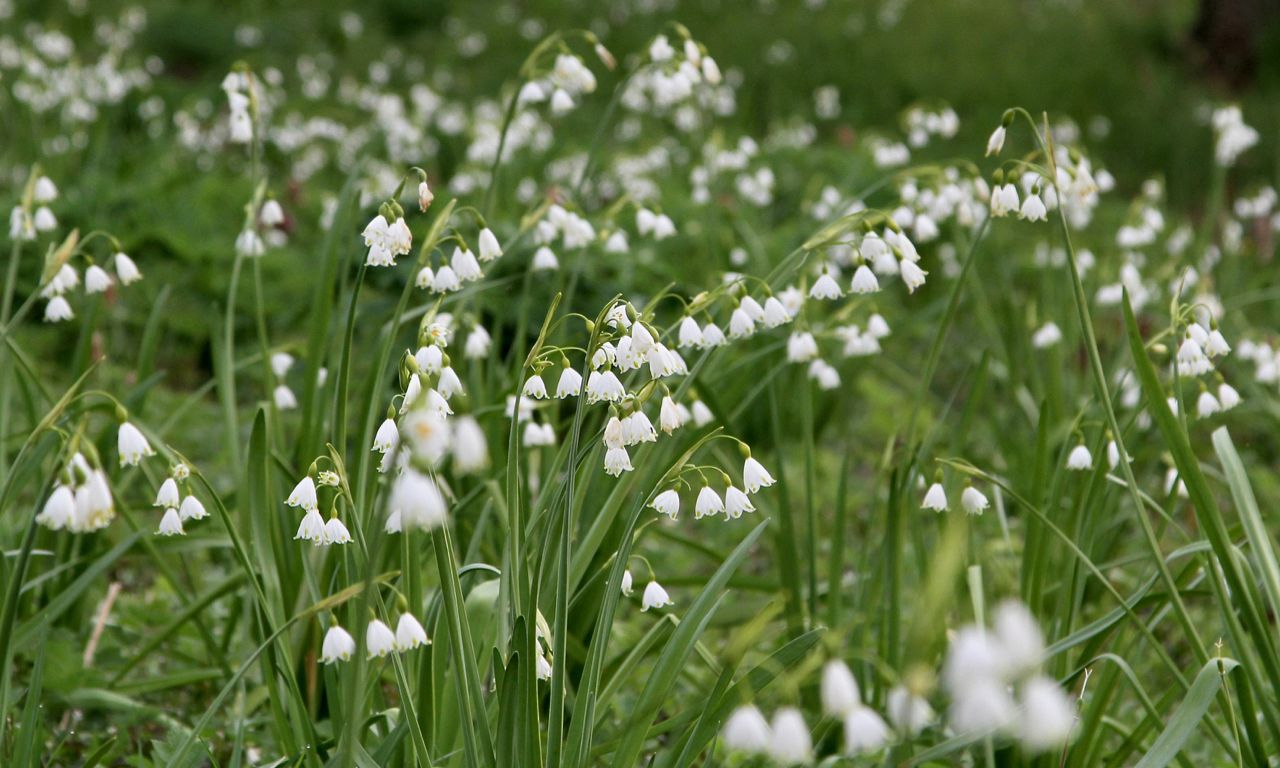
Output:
x=1137 y=76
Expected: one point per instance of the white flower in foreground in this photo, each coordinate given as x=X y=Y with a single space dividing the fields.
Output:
x=839 y=690
x=338 y=645
x=465 y=265
x=132 y=445
x=271 y=214
x=736 y=502
x=740 y=325
x=303 y=494
x=626 y=583
x=1047 y=715
x=825 y=374
x=908 y=712
x=864 y=731
x=1033 y=208
x=430 y=359
x=981 y=708
x=44 y=190
x=974 y=655
x=126 y=270
x=249 y=244
x=1021 y=641
x=387 y=437
x=864 y=281
x=654 y=597
x=666 y=503
x=708 y=503
x=192 y=509
x=57 y=310
x=995 y=142
x=425 y=196
x=478 y=342
x=470 y=448
x=167 y=496
x=877 y=326
x=284 y=398
x=973 y=500
x=281 y=363
x=617 y=461
x=426 y=279
x=790 y=742
x=409 y=633
x=58 y=510
x=689 y=334
x=570 y=383
x=1228 y=397
x=1216 y=345
x=1004 y=200
x=935 y=498
x=171 y=524
x=44 y=219
x=604 y=386
x=488 y=245
x=712 y=336
x=379 y=640
x=613 y=437
x=746 y=731
x=446 y=280
x=753 y=309
x=535 y=387
x=825 y=287
x=335 y=532
x=1191 y=358
x=670 y=417
x=801 y=347
x=754 y=475
x=912 y=275
x=416 y=502
x=775 y=314
x=1207 y=404
x=96 y=279
x=1079 y=459
x=1046 y=336
x=663 y=227
x=561 y=102
x=311 y=528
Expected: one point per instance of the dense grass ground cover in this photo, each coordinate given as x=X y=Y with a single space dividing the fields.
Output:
x=640 y=385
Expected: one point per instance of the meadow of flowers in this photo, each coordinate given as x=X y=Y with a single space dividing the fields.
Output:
x=362 y=407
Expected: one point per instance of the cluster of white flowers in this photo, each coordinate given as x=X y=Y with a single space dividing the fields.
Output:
x=379 y=640
x=81 y=501
x=993 y=678
x=1073 y=185
x=54 y=78
x=569 y=78
x=786 y=740
x=313 y=526
x=1232 y=136
x=96 y=280
x=1196 y=357
x=673 y=77
x=972 y=500
x=925 y=122
x=238 y=86
x=178 y=507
